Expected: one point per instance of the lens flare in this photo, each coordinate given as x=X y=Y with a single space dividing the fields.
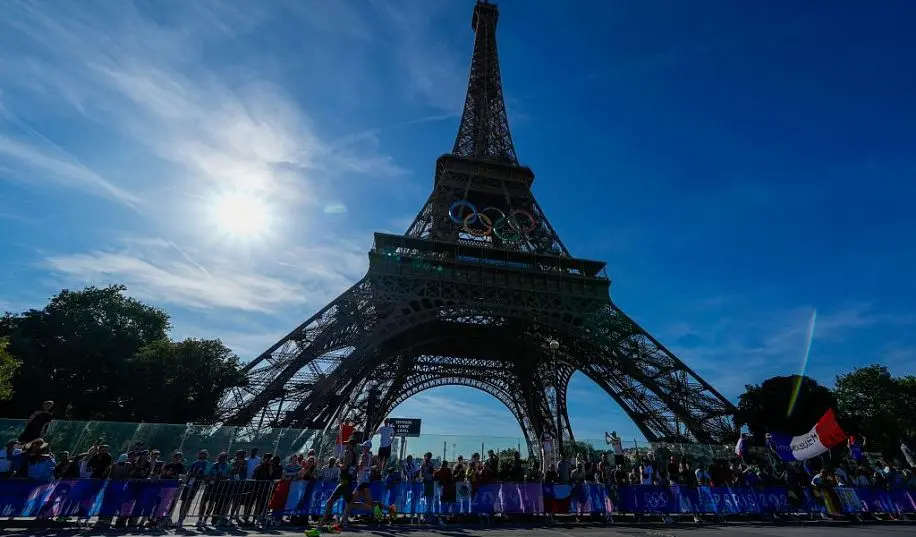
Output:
x=804 y=365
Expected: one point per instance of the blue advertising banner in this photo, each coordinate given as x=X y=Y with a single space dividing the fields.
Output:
x=91 y=497
x=86 y=498
x=309 y=497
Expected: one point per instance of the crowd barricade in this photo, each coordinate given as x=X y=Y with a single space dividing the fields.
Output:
x=172 y=500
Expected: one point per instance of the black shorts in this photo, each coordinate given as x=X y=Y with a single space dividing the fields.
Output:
x=384 y=452
x=362 y=486
x=618 y=460
x=343 y=490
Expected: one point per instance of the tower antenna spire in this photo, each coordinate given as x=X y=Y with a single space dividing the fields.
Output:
x=484 y=130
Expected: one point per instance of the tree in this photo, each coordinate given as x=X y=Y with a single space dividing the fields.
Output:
x=765 y=408
x=73 y=350
x=880 y=405
x=100 y=354
x=180 y=382
x=571 y=448
x=8 y=367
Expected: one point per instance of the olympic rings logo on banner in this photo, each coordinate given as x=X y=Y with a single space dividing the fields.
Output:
x=492 y=221
x=656 y=499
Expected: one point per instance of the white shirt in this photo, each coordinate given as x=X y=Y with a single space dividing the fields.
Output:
x=386 y=433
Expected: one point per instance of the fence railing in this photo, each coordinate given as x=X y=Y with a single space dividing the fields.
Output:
x=78 y=436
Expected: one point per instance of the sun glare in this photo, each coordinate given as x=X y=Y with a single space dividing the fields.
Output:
x=241 y=215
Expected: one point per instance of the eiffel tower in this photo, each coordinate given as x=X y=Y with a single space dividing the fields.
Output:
x=480 y=292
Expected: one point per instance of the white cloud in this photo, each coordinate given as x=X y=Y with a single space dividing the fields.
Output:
x=44 y=160
x=160 y=84
x=159 y=271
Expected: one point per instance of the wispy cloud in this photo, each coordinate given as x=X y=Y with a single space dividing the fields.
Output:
x=43 y=161
x=159 y=271
x=223 y=124
x=436 y=68
x=745 y=346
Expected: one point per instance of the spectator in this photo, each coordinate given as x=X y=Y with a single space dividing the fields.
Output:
x=121 y=469
x=37 y=424
x=99 y=464
x=10 y=459
x=41 y=467
x=173 y=469
x=156 y=463
x=67 y=468
x=446 y=481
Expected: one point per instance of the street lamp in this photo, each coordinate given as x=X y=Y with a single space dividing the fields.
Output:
x=554 y=346
x=371 y=404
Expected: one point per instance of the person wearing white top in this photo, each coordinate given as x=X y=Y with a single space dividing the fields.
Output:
x=386 y=434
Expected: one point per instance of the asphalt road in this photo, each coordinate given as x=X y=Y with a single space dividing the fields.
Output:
x=814 y=529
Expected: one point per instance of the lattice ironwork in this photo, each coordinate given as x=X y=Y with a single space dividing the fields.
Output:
x=472 y=295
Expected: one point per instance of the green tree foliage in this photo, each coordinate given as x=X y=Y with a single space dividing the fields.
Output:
x=100 y=354
x=880 y=406
x=585 y=449
x=183 y=381
x=8 y=367
x=765 y=408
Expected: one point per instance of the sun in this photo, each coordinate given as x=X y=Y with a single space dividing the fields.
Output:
x=241 y=215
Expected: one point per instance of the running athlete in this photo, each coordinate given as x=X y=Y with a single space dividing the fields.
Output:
x=344 y=488
x=364 y=478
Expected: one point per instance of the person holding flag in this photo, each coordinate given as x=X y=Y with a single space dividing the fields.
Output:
x=741 y=447
x=617 y=444
x=856 y=447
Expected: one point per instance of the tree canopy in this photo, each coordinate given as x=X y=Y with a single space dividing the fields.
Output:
x=765 y=408
x=8 y=367
x=880 y=406
x=100 y=354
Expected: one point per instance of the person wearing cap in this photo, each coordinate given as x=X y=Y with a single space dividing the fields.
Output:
x=214 y=501
x=121 y=469
x=362 y=494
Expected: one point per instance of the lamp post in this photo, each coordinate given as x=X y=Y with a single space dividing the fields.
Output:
x=554 y=346
x=371 y=403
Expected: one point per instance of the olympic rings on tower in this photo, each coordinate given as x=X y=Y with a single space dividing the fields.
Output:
x=492 y=221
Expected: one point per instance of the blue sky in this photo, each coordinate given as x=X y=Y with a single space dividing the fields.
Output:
x=737 y=164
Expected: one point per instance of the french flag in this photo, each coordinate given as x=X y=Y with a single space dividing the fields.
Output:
x=825 y=434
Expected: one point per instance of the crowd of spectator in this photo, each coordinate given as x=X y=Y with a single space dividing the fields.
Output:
x=247 y=488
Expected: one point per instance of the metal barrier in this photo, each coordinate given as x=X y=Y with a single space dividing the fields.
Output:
x=78 y=436
x=161 y=503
